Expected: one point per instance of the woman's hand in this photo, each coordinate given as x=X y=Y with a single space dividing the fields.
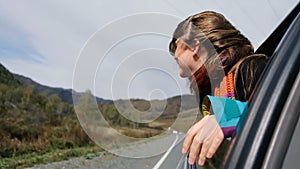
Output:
x=203 y=138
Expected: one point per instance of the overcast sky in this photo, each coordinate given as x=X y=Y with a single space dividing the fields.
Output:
x=116 y=48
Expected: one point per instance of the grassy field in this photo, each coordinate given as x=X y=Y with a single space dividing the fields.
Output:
x=29 y=160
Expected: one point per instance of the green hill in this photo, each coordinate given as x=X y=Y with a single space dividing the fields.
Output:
x=8 y=78
x=35 y=120
x=33 y=123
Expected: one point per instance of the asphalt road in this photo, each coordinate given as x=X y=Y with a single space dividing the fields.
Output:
x=169 y=159
x=175 y=158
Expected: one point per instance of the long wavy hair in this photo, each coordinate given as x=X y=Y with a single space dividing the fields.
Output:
x=224 y=43
x=248 y=72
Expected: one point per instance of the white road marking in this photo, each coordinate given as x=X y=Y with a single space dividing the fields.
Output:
x=159 y=163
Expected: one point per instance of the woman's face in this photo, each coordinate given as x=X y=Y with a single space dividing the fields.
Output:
x=185 y=58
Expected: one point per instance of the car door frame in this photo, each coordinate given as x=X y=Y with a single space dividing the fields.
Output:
x=270 y=108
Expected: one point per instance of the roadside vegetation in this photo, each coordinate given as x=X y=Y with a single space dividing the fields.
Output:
x=36 y=128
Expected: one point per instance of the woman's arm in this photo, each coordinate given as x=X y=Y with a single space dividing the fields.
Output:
x=205 y=137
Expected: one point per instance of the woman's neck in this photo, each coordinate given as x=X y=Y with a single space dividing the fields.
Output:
x=200 y=83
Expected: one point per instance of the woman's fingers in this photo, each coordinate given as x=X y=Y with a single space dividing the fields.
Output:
x=190 y=136
x=200 y=135
x=205 y=147
x=218 y=139
x=203 y=139
x=188 y=140
x=209 y=138
x=194 y=150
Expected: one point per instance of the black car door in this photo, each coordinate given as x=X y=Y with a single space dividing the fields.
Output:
x=266 y=131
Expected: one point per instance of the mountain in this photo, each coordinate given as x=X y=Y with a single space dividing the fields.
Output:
x=65 y=95
x=186 y=101
x=8 y=78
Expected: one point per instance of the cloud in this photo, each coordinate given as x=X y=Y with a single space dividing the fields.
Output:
x=43 y=39
x=16 y=44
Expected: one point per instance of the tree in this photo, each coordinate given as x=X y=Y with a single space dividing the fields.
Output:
x=87 y=109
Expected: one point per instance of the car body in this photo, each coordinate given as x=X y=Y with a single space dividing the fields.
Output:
x=268 y=135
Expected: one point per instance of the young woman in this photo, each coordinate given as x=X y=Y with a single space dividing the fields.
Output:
x=218 y=60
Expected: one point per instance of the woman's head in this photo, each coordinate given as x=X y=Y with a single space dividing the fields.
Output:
x=223 y=44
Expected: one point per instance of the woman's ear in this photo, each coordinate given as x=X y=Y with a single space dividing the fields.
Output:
x=200 y=51
x=196 y=49
x=197 y=46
